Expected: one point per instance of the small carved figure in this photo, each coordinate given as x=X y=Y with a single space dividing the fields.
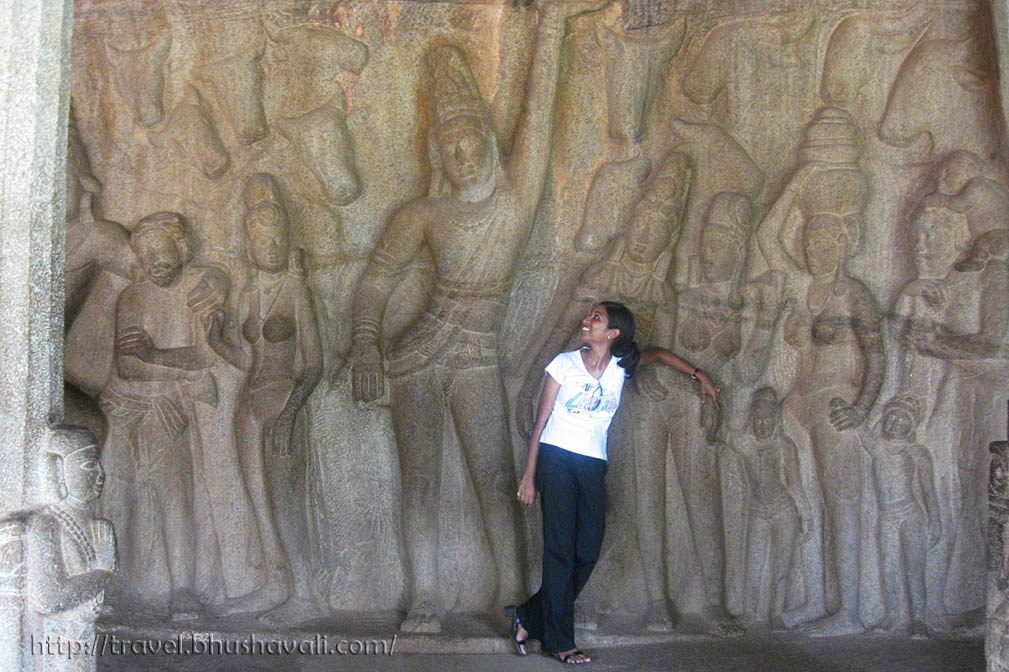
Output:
x=908 y=512
x=474 y=223
x=70 y=556
x=277 y=324
x=778 y=510
x=156 y=496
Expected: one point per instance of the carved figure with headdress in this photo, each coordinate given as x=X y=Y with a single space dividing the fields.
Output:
x=279 y=349
x=950 y=325
x=157 y=493
x=474 y=223
x=832 y=348
x=70 y=555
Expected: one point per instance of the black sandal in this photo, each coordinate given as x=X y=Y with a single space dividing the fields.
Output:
x=518 y=644
x=567 y=659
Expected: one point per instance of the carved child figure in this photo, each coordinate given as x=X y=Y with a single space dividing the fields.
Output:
x=776 y=499
x=70 y=555
x=908 y=512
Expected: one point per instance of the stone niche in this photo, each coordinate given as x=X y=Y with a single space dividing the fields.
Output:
x=318 y=253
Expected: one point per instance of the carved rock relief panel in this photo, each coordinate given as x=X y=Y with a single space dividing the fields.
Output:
x=863 y=138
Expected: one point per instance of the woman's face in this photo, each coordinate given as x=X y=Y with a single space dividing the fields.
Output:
x=266 y=237
x=596 y=326
x=825 y=244
x=719 y=258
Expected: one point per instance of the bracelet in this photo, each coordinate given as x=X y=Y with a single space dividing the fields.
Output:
x=693 y=374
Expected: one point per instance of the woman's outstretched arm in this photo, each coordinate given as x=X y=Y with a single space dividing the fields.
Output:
x=674 y=361
x=527 y=486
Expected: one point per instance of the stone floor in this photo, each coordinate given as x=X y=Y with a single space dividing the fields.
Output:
x=478 y=643
x=769 y=654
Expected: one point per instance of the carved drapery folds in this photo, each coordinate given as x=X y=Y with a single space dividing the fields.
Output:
x=323 y=346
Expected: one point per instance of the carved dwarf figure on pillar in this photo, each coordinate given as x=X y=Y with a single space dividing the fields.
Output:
x=70 y=557
x=474 y=222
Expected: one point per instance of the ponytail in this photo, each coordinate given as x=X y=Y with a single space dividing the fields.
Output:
x=624 y=348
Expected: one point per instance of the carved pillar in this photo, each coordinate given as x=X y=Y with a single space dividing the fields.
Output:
x=34 y=101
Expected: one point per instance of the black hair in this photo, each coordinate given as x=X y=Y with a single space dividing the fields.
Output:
x=624 y=348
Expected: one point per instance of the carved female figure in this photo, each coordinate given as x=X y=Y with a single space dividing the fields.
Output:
x=70 y=557
x=281 y=353
x=710 y=330
x=474 y=223
x=837 y=337
x=832 y=337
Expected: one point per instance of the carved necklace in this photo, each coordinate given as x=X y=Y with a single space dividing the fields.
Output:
x=270 y=287
x=471 y=218
x=77 y=534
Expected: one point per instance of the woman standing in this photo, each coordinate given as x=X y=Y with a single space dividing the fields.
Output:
x=567 y=463
x=281 y=354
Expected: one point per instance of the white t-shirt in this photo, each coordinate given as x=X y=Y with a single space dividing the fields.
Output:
x=584 y=406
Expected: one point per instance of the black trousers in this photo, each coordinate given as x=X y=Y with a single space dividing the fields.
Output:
x=573 y=498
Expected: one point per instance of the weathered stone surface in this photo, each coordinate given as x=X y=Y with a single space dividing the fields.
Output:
x=808 y=202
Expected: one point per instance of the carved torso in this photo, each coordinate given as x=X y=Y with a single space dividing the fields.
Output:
x=894 y=470
x=710 y=329
x=475 y=247
x=825 y=334
x=269 y=313
x=765 y=471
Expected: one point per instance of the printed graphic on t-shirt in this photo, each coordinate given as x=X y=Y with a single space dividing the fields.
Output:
x=591 y=399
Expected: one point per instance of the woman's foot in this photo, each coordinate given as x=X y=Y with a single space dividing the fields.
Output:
x=573 y=657
x=518 y=634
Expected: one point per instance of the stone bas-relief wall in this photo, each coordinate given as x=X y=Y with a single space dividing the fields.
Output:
x=318 y=253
